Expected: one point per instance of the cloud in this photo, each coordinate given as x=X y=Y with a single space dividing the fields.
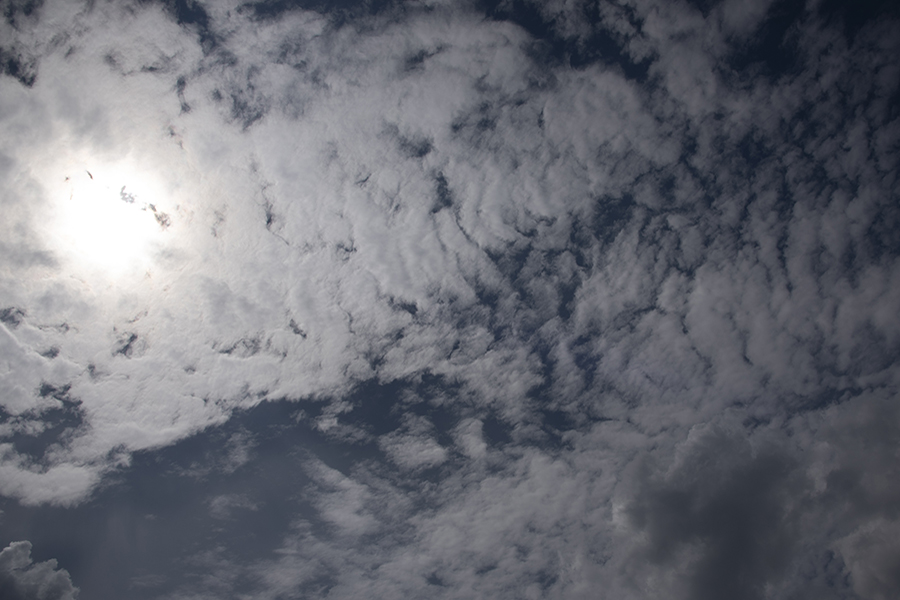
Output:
x=872 y=557
x=413 y=447
x=223 y=507
x=20 y=578
x=567 y=293
x=719 y=523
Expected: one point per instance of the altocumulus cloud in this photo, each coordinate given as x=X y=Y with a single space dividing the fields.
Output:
x=457 y=299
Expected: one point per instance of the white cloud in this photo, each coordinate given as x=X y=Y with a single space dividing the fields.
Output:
x=413 y=447
x=698 y=261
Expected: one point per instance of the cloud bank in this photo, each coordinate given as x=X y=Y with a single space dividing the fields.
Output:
x=577 y=296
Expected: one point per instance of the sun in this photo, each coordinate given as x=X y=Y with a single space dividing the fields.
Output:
x=108 y=217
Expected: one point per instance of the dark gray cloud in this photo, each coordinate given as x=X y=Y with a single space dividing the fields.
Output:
x=719 y=517
x=488 y=299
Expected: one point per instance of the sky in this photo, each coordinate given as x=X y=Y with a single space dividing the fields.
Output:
x=449 y=299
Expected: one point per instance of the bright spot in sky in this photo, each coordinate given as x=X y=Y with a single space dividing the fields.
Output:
x=108 y=218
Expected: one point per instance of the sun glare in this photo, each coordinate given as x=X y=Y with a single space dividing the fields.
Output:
x=108 y=218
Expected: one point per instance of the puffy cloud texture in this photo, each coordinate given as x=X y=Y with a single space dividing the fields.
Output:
x=561 y=297
x=22 y=579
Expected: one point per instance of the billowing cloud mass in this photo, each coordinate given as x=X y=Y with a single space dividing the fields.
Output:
x=450 y=299
x=22 y=579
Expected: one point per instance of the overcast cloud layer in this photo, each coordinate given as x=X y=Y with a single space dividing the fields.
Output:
x=451 y=300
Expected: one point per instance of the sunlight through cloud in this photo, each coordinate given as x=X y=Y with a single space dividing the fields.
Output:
x=108 y=218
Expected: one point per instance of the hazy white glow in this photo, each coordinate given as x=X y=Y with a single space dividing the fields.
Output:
x=107 y=218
